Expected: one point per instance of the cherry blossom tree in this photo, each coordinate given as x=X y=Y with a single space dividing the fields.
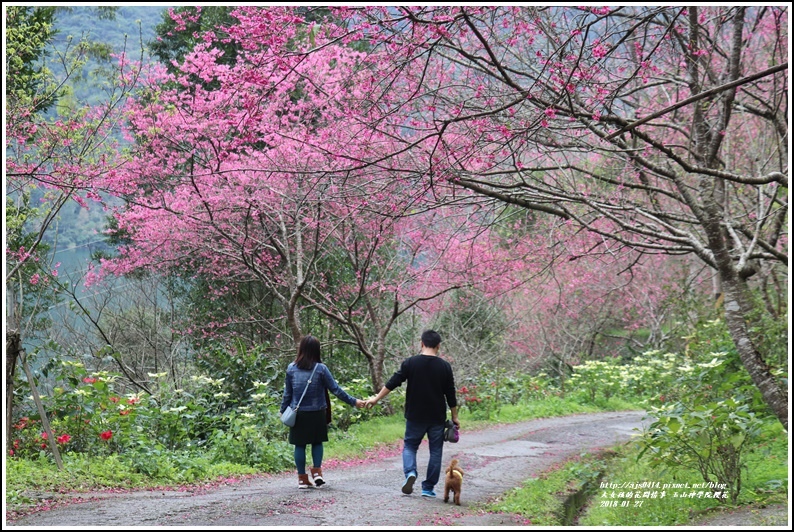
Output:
x=576 y=297
x=412 y=263
x=236 y=175
x=662 y=129
x=223 y=181
x=601 y=300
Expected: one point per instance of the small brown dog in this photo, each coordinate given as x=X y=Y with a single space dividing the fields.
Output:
x=453 y=481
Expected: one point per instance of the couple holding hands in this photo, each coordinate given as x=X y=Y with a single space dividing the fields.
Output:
x=430 y=390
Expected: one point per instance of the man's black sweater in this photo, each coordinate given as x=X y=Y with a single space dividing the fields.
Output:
x=430 y=382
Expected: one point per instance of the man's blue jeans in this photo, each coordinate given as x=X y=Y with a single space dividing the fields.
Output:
x=414 y=432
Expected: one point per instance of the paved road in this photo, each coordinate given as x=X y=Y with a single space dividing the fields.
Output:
x=365 y=494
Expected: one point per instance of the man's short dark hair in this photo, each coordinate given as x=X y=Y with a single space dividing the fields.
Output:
x=431 y=339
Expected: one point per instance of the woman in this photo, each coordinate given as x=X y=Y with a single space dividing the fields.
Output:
x=310 y=424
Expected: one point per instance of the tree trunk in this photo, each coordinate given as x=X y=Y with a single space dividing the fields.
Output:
x=375 y=362
x=45 y=422
x=293 y=318
x=715 y=216
x=12 y=354
x=376 y=373
x=737 y=305
x=716 y=284
x=376 y=370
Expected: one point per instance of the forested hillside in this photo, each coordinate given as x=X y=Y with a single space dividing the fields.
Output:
x=123 y=29
x=126 y=29
x=110 y=29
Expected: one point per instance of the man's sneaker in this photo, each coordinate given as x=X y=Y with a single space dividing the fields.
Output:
x=408 y=485
x=428 y=493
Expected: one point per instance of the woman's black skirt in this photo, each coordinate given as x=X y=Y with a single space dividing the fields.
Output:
x=310 y=427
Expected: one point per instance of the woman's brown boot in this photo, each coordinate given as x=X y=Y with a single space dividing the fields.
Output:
x=317 y=476
x=304 y=482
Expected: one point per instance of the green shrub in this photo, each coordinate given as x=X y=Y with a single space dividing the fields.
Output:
x=657 y=506
x=343 y=416
x=766 y=473
x=479 y=400
x=152 y=462
x=86 y=414
x=597 y=378
x=484 y=396
x=708 y=427
x=243 y=442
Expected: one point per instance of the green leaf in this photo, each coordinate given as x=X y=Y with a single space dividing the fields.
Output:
x=313 y=34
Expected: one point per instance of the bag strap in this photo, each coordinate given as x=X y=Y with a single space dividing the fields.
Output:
x=307 y=386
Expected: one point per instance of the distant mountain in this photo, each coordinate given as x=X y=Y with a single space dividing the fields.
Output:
x=79 y=228
x=85 y=20
x=129 y=30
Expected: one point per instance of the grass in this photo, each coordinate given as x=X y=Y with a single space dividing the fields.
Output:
x=550 y=407
x=370 y=435
x=540 y=500
x=767 y=462
x=82 y=473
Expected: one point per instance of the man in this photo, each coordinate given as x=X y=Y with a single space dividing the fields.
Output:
x=430 y=389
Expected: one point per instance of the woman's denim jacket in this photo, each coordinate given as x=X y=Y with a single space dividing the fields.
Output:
x=315 y=396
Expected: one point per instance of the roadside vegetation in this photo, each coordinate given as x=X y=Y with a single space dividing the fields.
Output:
x=706 y=428
x=709 y=429
x=32 y=473
x=571 y=493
